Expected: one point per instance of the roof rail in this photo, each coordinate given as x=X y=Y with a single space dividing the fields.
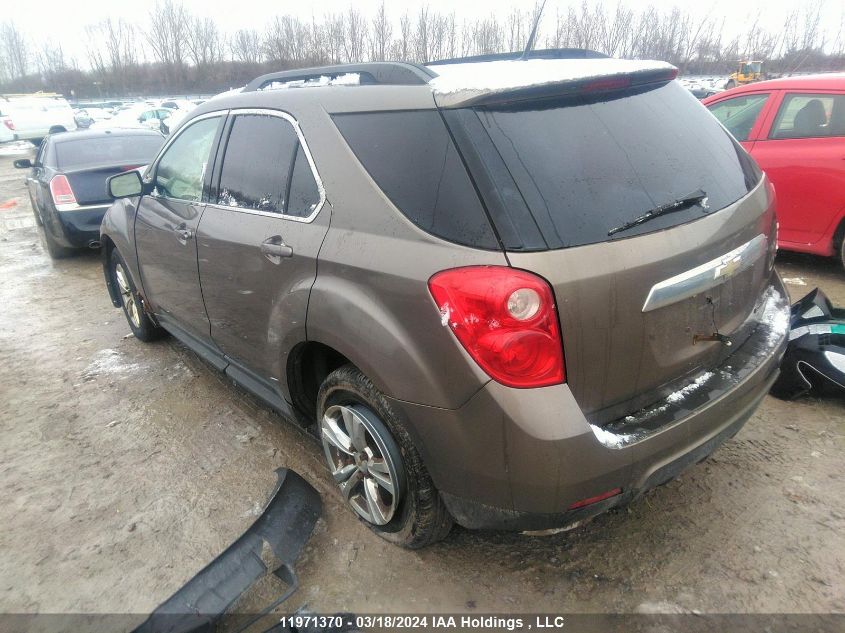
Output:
x=395 y=73
x=545 y=53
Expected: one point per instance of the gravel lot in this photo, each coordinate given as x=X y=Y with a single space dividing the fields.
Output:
x=126 y=467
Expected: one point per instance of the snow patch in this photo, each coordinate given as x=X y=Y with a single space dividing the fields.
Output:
x=13 y=148
x=346 y=79
x=108 y=361
x=794 y=281
x=610 y=439
x=681 y=394
x=445 y=315
x=469 y=80
x=774 y=315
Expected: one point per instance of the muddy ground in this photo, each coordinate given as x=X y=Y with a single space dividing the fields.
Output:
x=126 y=467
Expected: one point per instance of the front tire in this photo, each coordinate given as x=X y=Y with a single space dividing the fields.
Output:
x=133 y=308
x=376 y=465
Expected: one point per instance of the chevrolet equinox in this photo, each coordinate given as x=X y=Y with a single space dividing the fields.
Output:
x=507 y=293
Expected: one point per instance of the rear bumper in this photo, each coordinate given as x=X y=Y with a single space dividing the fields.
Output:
x=77 y=228
x=519 y=459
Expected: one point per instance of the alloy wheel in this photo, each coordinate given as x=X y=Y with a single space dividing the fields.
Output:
x=127 y=297
x=361 y=463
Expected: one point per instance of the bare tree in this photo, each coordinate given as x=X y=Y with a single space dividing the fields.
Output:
x=204 y=42
x=355 y=36
x=380 y=35
x=167 y=37
x=15 y=50
x=245 y=46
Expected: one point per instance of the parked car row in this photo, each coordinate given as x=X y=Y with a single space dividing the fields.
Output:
x=494 y=299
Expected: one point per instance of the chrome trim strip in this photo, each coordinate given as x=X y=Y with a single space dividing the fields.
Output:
x=706 y=276
x=77 y=207
x=320 y=188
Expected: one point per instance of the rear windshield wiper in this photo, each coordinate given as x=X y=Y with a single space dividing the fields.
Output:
x=696 y=197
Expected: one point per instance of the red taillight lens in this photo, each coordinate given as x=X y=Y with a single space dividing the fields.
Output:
x=61 y=191
x=506 y=320
x=8 y=123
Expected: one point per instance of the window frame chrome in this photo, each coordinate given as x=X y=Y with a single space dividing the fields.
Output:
x=235 y=112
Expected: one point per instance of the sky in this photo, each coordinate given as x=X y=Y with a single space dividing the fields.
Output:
x=64 y=21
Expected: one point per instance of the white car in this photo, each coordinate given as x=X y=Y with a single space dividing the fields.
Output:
x=6 y=130
x=142 y=116
x=35 y=116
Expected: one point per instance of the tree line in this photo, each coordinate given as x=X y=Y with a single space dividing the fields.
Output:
x=181 y=52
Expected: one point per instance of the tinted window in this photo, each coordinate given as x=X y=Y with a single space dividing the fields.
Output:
x=181 y=169
x=739 y=114
x=585 y=166
x=257 y=165
x=810 y=115
x=413 y=160
x=133 y=150
x=304 y=194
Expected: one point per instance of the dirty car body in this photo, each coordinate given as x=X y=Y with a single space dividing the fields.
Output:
x=67 y=181
x=459 y=242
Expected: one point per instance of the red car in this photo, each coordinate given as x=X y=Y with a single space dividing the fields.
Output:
x=795 y=129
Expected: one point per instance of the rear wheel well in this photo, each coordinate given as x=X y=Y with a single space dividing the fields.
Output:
x=309 y=365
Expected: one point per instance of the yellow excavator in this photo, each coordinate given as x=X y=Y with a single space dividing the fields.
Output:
x=745 y=74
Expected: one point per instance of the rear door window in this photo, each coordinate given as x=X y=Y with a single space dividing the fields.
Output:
x=810 y=116
x=588 y=164
x=412 y=159
x=266 y=169
x=739 y=114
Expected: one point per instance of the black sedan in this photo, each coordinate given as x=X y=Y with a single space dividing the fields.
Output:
x=67 y=181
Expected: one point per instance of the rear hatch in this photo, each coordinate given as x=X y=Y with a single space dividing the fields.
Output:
x=559 y=173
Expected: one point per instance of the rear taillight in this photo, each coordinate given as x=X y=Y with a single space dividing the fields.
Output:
x=61 y=191
x=8 y=123
x=506 y=320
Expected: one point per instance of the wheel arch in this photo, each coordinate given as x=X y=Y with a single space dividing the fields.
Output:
x=107 y=246
x=309 y=363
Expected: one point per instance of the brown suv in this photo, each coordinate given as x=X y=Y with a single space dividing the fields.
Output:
x=510 y=294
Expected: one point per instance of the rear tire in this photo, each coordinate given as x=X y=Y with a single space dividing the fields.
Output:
x=53 y=248
x=731 y=84
x=140 y=323
x=414 y=516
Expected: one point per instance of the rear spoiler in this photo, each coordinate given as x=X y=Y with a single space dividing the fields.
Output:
x=514 y=81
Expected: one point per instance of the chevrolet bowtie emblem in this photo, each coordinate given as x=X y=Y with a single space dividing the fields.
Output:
x=728 y=268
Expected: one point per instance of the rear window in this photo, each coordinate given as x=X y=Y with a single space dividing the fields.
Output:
x=412 y=159
x=133 y=150
x=585 y=166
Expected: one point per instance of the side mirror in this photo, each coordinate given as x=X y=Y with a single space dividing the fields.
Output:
x=125 y=185
x=23 y=163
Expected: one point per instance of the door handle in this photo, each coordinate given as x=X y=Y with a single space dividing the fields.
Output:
x=183 y=234
x=275 y=247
